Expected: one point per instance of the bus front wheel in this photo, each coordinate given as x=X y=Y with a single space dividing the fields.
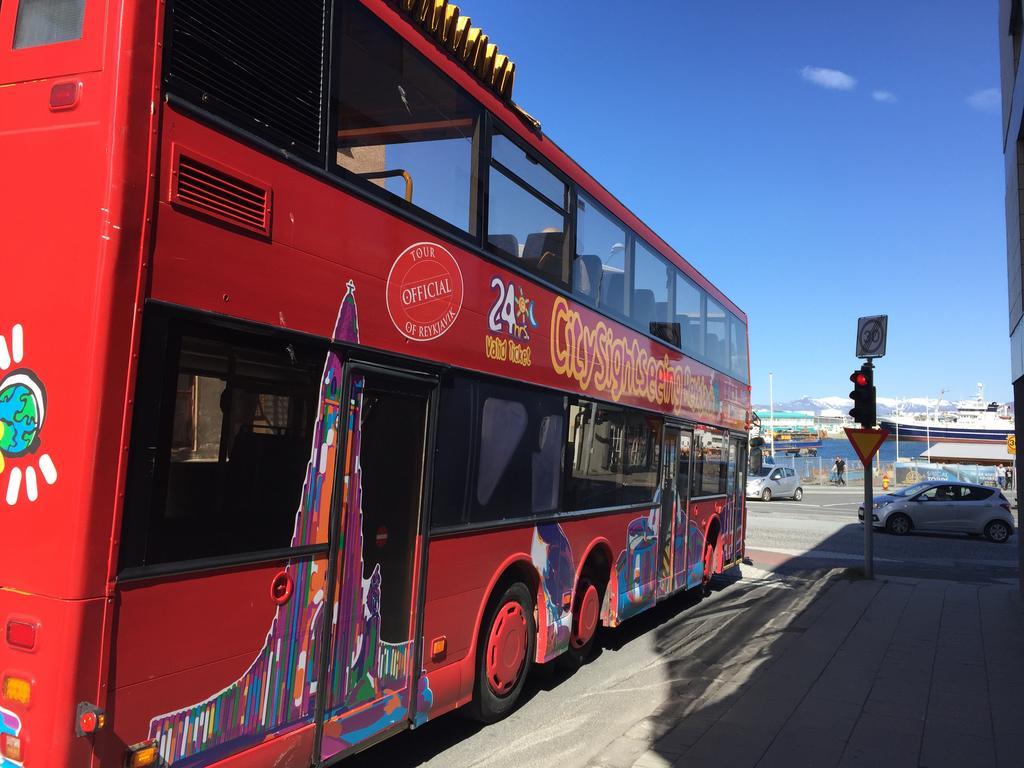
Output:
x=505 y=653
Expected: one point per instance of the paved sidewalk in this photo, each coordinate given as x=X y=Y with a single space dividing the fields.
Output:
x=891 y=672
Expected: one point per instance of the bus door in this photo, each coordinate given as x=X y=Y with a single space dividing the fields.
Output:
x=675 y=497
x=681 y=525
x=739 y=495
x=669 y=502
x=373 y=685
x=731 y=518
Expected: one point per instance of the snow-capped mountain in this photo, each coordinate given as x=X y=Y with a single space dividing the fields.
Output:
x=886 y=405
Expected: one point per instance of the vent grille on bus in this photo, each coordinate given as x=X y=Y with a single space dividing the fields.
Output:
x=202 y=187
x=259 y=65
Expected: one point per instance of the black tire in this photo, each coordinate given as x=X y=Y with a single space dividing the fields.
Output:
x=489 y=705
x=577 y=655
x=998 y=532
x=798 y=494
x=766 y=494
x=898 y=524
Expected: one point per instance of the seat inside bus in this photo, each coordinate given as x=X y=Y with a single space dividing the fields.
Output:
x=642 y=310
x=587 y=276
x=544 y=253
x=613 y=292
x=505 y=245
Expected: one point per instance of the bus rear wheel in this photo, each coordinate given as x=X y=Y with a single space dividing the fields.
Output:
x=709 y=564
x=586 y=616
x=505 y=654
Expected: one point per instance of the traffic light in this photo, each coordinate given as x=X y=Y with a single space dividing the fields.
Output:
x=863 y=396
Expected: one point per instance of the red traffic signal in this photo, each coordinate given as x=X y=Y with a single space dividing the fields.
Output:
x=863 y=396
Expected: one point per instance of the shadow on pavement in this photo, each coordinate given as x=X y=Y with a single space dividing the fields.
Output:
x=717 y=654
x=412 y=748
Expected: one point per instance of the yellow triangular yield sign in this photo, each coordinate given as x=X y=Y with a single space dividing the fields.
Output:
x=866 y=442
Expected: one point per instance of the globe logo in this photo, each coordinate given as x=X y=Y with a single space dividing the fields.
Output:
x=22 y=406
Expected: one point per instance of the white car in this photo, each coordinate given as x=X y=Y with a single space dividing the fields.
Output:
x=770 y=482
x=944 y=506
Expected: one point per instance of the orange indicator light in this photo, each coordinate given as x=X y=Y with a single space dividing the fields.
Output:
x=439 y=646
x=18 y=690
x=142 y=756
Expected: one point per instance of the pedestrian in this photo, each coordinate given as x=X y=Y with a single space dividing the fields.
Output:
x=1009 y=477
x=834 y=474
x=841 y=470
x=1000 y=476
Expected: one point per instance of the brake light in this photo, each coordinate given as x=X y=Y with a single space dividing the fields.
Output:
x=142 y=755
x=10 y=748
x=64 y=96
x=18 y=690
x=21 y=634
x=90 y=719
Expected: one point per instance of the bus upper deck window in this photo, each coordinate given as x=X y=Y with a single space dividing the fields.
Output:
x=42 y=22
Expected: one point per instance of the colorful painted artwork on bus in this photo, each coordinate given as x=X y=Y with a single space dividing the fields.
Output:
x=634 y=578
x=10 y=725
x=22 y=411
x=694 y=554
x=679 y=546
x=279 y=688
x=552 y=556
x=727 y=516
x=370 y=683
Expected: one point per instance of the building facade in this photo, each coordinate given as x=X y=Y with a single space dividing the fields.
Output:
x=1011 y=31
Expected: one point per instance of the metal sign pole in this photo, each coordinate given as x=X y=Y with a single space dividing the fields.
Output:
x=869 y=522
x=871 y=339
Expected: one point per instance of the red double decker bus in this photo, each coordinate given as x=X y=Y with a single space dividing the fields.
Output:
x=333 y=394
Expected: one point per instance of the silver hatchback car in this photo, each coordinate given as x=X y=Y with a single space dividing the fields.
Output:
x=772 y=481
x=938 y=505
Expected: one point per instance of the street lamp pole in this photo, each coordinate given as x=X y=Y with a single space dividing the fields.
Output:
x=928 y=422
x=928 y=430
x=771 y=409
x=899 y=415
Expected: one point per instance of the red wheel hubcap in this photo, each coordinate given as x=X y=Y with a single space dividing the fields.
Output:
x=506 y=648
x=708 y=563
x=585 y=621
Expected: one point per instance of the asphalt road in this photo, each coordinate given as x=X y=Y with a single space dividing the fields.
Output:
x=823 y=530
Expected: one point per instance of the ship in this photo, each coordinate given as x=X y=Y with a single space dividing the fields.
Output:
x=789 y=432
x=974 y=421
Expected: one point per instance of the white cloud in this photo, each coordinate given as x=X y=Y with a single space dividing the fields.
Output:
x=986 y=100
x=886 y=97
x=832 y=79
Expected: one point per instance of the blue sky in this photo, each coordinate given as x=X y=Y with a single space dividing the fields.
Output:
x=816 y=160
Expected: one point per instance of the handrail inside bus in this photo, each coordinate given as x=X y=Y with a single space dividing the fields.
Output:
x=390 y=175
x=458 y=127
